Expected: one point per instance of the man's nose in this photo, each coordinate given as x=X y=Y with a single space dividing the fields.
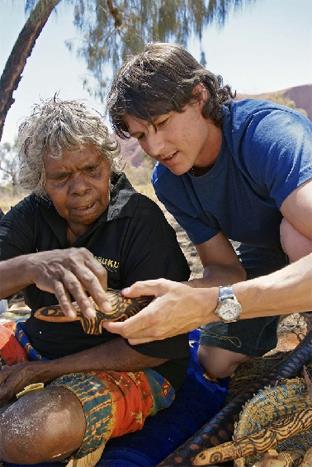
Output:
x=155 y=144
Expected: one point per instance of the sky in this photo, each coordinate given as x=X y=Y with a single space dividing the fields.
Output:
x=265 y=46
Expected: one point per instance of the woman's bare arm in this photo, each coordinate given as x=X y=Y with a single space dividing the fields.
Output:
x=69 y=272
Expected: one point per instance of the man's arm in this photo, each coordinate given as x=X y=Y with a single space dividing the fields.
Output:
x=70 y=272
x=179 y=308
x=220 y=262
x=297 y=210
x=114 y=355
x=285 y=291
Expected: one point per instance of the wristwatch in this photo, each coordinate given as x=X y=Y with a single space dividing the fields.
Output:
x=228 y=308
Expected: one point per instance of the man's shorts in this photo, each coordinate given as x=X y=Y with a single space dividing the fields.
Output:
x=253 y=337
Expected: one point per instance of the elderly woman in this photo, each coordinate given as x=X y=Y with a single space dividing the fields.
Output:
x=82 y=227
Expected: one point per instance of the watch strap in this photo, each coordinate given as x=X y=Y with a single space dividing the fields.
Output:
x=226 y=292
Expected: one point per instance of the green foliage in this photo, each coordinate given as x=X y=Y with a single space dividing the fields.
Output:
x=113 y=29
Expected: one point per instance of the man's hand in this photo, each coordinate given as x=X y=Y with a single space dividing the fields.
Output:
x=73 y=272
x=177 y=309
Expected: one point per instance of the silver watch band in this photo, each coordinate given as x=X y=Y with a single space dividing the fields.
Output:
x=226 y=292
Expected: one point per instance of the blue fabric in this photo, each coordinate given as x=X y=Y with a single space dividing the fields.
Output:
x=266 y=153
x=23 y=339
x=195 y=404
x=197 y=401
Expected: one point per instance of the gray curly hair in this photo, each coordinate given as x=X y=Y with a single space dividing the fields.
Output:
x=56 y=125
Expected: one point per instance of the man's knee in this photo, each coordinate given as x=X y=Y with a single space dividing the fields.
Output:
x=294 y=244
x=41 y=426
x=219 y=363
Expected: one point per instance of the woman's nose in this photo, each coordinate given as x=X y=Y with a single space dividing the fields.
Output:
x=78 y=185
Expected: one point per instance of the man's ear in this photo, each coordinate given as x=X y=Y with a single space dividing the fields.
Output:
x=200 y=94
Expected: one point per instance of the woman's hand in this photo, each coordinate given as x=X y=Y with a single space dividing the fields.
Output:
x=15 y=378
x=73 y=273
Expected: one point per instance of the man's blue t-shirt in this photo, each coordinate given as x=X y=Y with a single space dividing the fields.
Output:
x=266 y=153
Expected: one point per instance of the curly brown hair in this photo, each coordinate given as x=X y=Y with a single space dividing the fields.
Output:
x=159 y=80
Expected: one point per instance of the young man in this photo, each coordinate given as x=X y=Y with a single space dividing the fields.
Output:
x=226 y=170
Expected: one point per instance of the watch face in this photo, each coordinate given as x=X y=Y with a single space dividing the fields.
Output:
x=229 y=310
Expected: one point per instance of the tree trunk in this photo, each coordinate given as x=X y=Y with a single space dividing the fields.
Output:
x=22 y=49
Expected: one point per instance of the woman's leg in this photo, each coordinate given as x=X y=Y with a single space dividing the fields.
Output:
x=41 y=426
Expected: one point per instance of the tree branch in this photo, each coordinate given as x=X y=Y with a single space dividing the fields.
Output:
x=22 y=49
x=116 y=14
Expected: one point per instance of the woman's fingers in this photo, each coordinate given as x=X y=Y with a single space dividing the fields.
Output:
x=84 y=283
x=72 y=274
x=64 y=299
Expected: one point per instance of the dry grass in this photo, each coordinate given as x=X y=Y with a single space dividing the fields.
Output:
x=140 y=179
x=9 y=197
x=146 y=190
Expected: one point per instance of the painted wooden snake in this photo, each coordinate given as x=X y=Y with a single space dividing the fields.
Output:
x=220 y=428
x=122 y=308
x=259 y=442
